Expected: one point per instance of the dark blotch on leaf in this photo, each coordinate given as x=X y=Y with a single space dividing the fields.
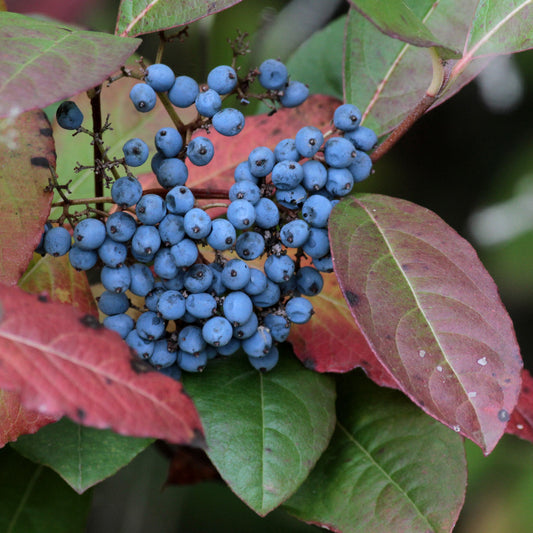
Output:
x=47 y=132
x=40 y=162
x=309 y=363
x=43 y=297
x=91 y=321
x=80 y=413
x=139 y=366
x=352 y=298
x=198 y=440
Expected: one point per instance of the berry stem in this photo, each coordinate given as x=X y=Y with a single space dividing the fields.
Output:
x=160 y=47
x=172 y=113
x=84 y=201
x=96 y=110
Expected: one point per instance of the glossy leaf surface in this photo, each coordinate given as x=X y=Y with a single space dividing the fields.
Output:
x=47 y=349
x=35 y=54
x=264 y=432
x=82 y=456
x=380 y=470
x=136 y=17
x=24 y=173
x=431 y=312
x=33 y=498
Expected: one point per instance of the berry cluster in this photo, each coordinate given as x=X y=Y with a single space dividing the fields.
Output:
x=212 y=287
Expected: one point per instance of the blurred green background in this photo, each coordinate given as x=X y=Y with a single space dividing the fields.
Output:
x=470 y=160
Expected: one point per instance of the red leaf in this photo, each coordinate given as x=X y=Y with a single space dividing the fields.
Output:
x=48 y=349
x=58 y=9
x=332 y=342
x=521 y=422
x=23 y=203
x=17 y=420
x=431 y=312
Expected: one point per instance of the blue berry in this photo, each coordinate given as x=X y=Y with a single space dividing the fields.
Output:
x=241 y=214
x=162 y=356
x=112 y=303
x=299 y=310
x=362 y=138
x=287 y=175
x=150 y=209
x=231 y=347
x=292 y=198
x=235 y=274
x=257 y=283
x=172 y=371
x=168 y=141
x=175 y=283
x=217 y=285
x=152 y=297
x=143 y=97
x=266 y=362
x=347 y=117
x=146 y=240
x=82 y=259
x=323 y=264
x=340 y=181
x=185 y=253
x=245 y=190
x=200 y=151
x=258 y=344
x=126 y=191
x=69 y=116
x=294 y=94
x=228 y=122
x=197 y=223
x=171 y=172
x=250 y=245
x=120 y=226
x=171 y=229
x=279 y=268
x=269 y=297
x=198 y=278
x=339 y=152
x=222 y=79
x=190 y=340
x=273 y=74
x=279 y=327
x=142 y=347
x=208 y=103
x=309 y=281
x=136 y=152
x=286 y=151
x=266 y=213
x=242 y=173
x=57 y=241
x=179 y=200
x=116 y=279
x=217 y=331
x=160 y=77
x=142 y=279
x=316 y=211
x=184 y=91
x=171 y=305
x=294 y=233
x=361 y=167
x=246 y=330
x=192 y=362
x=121 y=323
x=164 y=265
x=150 y=326
x=201 y=305
x=308 y=141
x=261 y=161
x=317 y=245
x=237 y=307
x=89 y=234
x=222 y=236
x=315 y=175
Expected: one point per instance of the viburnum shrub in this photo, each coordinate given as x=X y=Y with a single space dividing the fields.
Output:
x=211 y=278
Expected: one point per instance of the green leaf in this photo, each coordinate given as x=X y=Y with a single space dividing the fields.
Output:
x=136 y=17
x=502 y=27
x=43 y=61
x=82 y=456
x=264 y=431
x=397 y=20
x=389 y=467
x=33 y=498
x=318 y=61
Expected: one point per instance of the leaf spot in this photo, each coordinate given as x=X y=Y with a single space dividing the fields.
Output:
x=519 y=426
x=91 y=321
x=352 y=298
x=503 y=415
x=40 y=162
x=439 y=368
x=422 y=353
x=457 y=428
x=140 y=366
x=472 y=394
x=47 y=132
x=482 y=361
x=80 y=413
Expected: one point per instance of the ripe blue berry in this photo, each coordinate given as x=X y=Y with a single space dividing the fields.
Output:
x=201 y=305
x=308 y=141
x=121 y=323
x=217 y=331
x=228 y=122
x=347 y=117
x=171 y=305
x=235 y=274
x=142 y=347
x=292 y=198
x=197 y=223
x=245 y=190
x=294 y=233
x=340 y=181
x=279 y=327
x=168 y=141
x=309 y=281
x=142 y=279
x=246 y=330
x=339 y=152
x=266 y=362
x=241 y=214
x=222 y=79
x=192 y=362
x=237 y=307
x=279 y=268
x=361 y=167
x=150 y=209
x=57 y=241
x=362 y=138
x=82 y=259
x=315 y=175
x=185 y=253
x=222 y=236
x=257 y=283
x=120 y=226
x=150 y=326
x=316 y=210
x=143 y=97
x=258 y=344
x=116 y=279
x=69 y=116
x=183 y=92
x=89 y=234
x=136 y=152
x=200 y=151
x=146 y=240
x=272 y=74
x=317 y=244
x=190 y=340
x=198 y=278
x=269 y=297
x=299 y=310
x=266 y=213
x=294 y=94
x=250 y=245
x=208 y=103
x=164 y=265
x=162 y=356
x=286 y=151
x=126 y=191
x=287 y=175
x=171 y=229
x=112 y=303
x=160 y=77
x=179 y=200
x=261 y=161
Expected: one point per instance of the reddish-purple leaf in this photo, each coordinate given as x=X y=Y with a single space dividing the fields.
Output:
x=24 y=173
x=332 y=342
x=431 y=312
x=521 y=423
x=63 y=362
x=16 y=420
